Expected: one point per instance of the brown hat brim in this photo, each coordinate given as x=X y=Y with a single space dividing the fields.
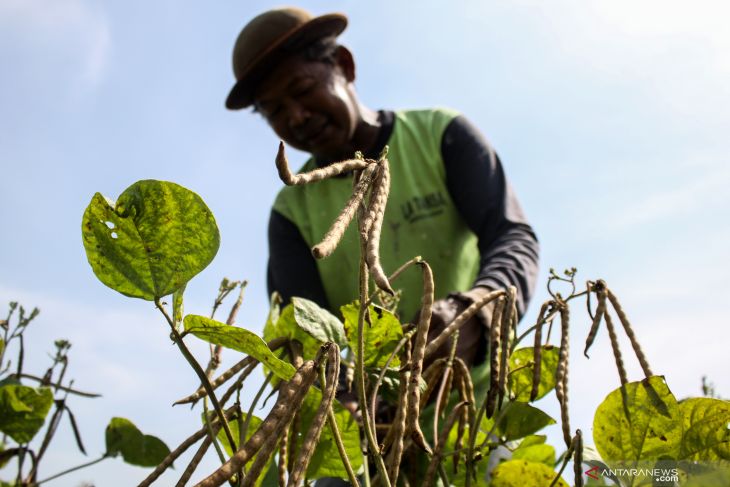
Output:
x=242 y=93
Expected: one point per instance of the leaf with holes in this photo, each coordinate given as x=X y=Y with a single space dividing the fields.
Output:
x=23 y=410
x=706 y=429
x=238 y=339
x=522 y=363
x=381 y=337
x=152 y=241
x=136 y=448
x=642 y=423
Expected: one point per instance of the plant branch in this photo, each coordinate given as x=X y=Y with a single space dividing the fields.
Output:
x=200 y=372
x=73 y=469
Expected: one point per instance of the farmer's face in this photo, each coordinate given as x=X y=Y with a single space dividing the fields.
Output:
x=311 y=105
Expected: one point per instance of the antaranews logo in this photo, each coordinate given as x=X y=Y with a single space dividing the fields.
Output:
x=657 y=474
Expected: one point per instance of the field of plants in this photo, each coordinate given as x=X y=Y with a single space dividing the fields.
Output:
x=421 y=418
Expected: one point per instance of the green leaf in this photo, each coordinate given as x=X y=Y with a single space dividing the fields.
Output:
x=149 y=244
x=518 y=420
x=23 y=410
x=286 y=326
x=2 y=346
x=518 y=473
x=319 y=323
x=380 y=338
x=645 y=426
x=534 y=449
x=520 y=381
x=136 y=448
x=238 y=339
x=706 y=427
x=326 y=461
x=714 y=475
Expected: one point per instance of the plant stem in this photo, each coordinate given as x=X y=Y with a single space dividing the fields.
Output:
x=73 y=469
x=360 y=373
x=201 y=374
x=60 y=387
x=338 y=437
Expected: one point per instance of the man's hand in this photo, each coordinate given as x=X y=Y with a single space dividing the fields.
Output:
x=472 y=335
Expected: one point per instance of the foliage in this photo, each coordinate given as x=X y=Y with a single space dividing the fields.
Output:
x=24 y=410
x=481 y=424
x=125 y=439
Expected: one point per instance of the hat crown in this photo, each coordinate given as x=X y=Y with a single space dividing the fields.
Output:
x=264 y=31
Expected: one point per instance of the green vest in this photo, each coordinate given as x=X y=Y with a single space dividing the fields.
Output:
x=420 y=218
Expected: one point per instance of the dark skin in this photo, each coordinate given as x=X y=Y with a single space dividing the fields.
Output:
x=313 y=106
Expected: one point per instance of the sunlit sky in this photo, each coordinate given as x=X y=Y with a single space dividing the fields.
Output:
x=611 y=119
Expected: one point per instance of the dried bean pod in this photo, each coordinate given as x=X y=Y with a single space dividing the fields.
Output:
x=283 y=460
x=195 y=461
x=630 y=333
x=288 y=402
x=578 y=459
x=600 y=290
x=431 y=377
x=373 y=224
x=462 y=318
x=190 y=441
x=466 y=391
x=315 y=428
x=507 y=317
x=399 y=425
x=443 y=435
x=616 y=350
x=318 y=174
x=494 y=346
x=414 y=391
x=337 y=230
x=537 y=352
x=561 y=375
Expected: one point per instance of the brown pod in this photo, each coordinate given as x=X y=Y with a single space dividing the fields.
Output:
x=288 y=402
x=337 y=229
x=335 y=169
x=414 y=391
x=537 y=352
x=494 y=346
x=315 y=428
x=616 y=350
x=374 y=224
x=508 y=315
x=462 y=318
x=561 y=375
x=397 y=430
x=578 y=459
x=630 y=333
x=600 y=290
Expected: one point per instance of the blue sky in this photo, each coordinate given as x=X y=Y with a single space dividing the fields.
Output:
x=611 y=119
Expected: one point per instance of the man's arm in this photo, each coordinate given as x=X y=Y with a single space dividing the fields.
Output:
x=292 y=270
x=475 y=178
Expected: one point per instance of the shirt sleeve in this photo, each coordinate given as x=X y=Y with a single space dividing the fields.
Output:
x=475 y=179
x=292 y=270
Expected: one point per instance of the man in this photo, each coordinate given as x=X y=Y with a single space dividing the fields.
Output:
x=449 y=201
